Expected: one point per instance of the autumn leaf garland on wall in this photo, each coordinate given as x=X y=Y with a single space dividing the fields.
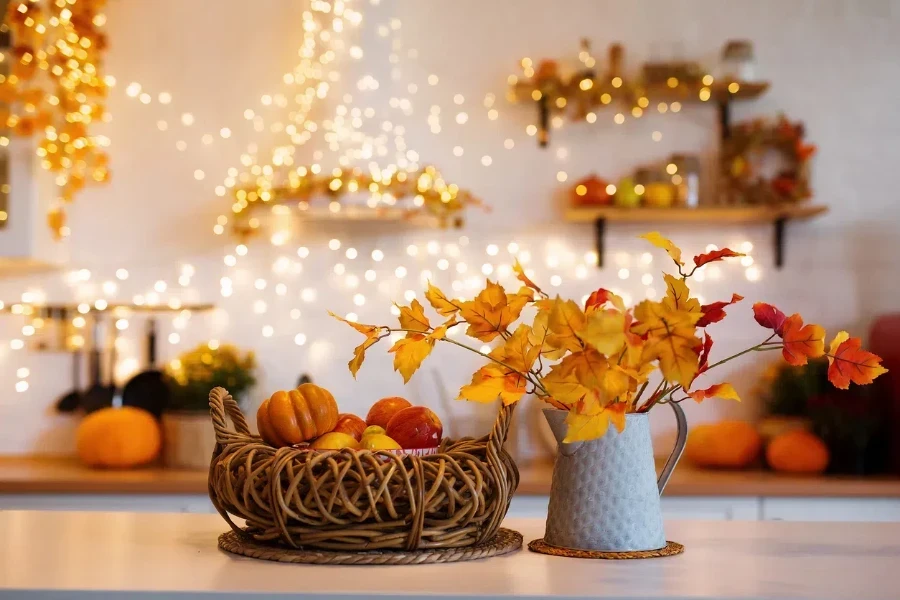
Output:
x=596 y=360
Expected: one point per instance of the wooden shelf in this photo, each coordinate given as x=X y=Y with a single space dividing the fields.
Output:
x=720 y=94
x=723 y=214
x=778 y=216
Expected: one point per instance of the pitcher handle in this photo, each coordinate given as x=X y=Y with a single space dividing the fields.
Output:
x=677 y=451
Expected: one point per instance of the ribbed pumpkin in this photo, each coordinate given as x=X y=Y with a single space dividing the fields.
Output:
x=295 y=416
x=118 y=438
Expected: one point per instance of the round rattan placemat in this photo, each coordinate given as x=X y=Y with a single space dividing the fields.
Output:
x=540 y=546
x=504 y=542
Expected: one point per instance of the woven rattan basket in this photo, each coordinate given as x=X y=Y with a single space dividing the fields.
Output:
x=359 y=499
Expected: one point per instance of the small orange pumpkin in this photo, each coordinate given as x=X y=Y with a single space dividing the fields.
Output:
x=295 y=416
x=118 y=438
x=723 y=445
x=797 y=452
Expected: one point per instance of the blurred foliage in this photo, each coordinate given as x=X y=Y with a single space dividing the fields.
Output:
x=197 y=371
x=852 y=422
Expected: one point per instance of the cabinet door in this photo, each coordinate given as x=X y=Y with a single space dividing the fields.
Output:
x=711 y=508
x=673 y=507
x=831 y=509
x=193 y=503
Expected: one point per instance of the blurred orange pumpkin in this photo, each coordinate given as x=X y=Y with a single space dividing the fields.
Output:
x=295 y=416
x=118 y=438
x=797 y=452
x=724 y=445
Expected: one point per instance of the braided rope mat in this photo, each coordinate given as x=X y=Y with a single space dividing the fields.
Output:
x=541 y=547
x=503 y=542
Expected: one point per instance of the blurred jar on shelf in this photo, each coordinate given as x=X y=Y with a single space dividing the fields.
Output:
x=737 y=62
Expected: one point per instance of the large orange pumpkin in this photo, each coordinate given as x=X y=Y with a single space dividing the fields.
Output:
x=118 y=438
x=723 y=445
x=797 y=452
x=295 y=416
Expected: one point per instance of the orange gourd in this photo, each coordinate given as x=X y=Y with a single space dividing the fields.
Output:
x=724 y=445
x=797 y=452
x=295 y=416
x=118 y=438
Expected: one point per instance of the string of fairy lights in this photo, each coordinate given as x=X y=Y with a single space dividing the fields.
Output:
x=355 y=132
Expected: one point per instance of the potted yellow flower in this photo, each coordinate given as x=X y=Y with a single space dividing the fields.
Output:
x=188 y=440
x=602 y=364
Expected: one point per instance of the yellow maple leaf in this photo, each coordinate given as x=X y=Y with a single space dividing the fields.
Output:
x=678 y=296
x=413 y=317
x=493 y=311
x=493 y=381
x=660 y=242
x=409 y=352
x=566 y=321
x=517 y=351
x=655 y=318
x=540 y=330
x=440 y=332
x=439 y=301
x=583 y=428
x=580 y=379
x=521 y=276
x=605 y=331
x=359 y=355
x=677 y=352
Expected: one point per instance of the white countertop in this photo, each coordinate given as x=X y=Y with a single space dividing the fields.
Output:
x=52 y=555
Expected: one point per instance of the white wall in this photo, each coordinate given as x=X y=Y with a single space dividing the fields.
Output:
x=831 y=63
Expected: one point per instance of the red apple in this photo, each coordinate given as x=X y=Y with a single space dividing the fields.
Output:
x=350 y=424
x=382 y=411
x=415 y=427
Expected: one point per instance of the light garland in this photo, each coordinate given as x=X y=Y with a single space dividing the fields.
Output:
x=55 y=90
x=363 y=274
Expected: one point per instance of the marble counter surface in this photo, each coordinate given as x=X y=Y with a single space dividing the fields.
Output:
x=52 y=555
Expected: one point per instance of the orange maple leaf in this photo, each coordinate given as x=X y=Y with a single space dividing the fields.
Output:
x=847 y=362
x=366 y=330
x=719 y=390
x=715 y=255
x=801 y=342
x=715 y=311
x=600 y=297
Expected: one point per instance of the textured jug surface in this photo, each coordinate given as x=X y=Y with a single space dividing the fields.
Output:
x=604 y=494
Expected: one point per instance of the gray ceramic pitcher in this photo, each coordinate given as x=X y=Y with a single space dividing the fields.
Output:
x=605 y=493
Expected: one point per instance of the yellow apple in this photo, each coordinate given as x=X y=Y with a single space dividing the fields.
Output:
x=378 y=441
x=334 y=440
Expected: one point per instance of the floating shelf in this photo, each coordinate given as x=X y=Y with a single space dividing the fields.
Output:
x=777 y=215
x=556 y=96
x=72 y=309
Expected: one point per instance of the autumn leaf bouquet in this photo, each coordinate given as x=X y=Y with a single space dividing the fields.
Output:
x=597 y=361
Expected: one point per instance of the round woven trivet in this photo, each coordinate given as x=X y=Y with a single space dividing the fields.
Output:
x=504 y=542
x=540 y=546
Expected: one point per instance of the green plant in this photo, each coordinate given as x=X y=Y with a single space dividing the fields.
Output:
x=197 y=371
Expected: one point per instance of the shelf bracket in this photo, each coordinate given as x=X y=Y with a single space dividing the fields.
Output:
x=778 y=239
x=600 y=239
x=724 y=119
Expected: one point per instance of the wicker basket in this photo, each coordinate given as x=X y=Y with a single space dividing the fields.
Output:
x=359 y=499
